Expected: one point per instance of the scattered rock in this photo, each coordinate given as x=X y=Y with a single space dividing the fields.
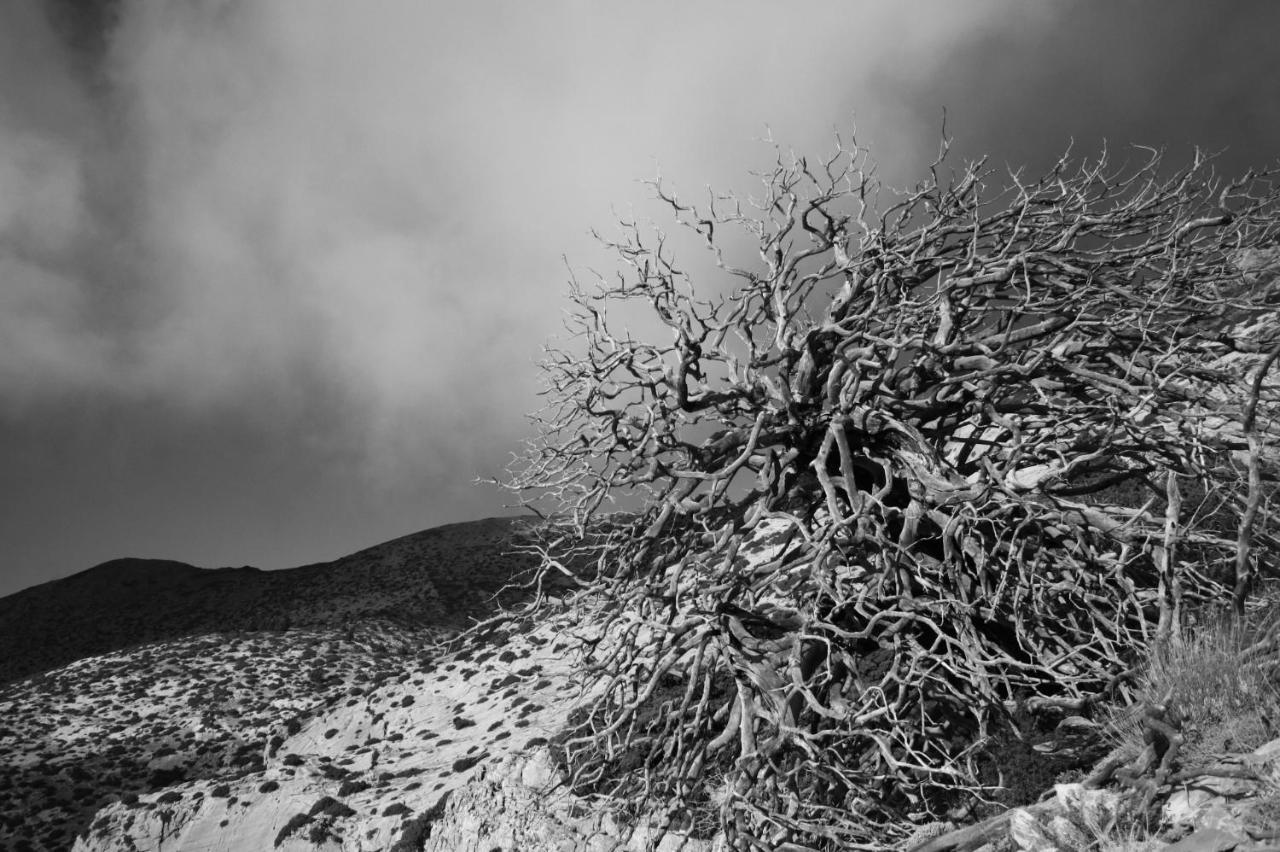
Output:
x=1206 y=840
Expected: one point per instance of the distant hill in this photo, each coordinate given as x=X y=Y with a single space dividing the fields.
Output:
x=440 y=577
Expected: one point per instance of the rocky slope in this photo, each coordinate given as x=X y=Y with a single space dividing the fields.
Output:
x=368 y=766
x=380 y=733
x=188 y=691
x=439 y=578
x=352 y=734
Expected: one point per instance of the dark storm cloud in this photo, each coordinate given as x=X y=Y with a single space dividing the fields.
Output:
x=273 y=276
x=43 y=135
x=1172 y=75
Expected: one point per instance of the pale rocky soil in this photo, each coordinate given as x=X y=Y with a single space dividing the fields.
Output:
x=356 y=770
x=330 y=737
x=126 y=723
x=197 y=706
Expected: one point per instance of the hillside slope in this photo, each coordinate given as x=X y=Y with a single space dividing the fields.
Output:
x=155 y=674
x=351 y=734
x=439 y=577
x=375 y=735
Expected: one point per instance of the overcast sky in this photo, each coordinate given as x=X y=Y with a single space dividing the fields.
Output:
x=274 y=274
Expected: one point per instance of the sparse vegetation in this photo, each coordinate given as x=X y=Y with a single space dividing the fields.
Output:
x=352 y=786
x=295 y=822
x=465 y=763
x=417 y=831
x=210 y=706
x=1217 y=677
x=331 y=807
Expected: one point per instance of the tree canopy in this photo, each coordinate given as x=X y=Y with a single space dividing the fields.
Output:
x=939 y=458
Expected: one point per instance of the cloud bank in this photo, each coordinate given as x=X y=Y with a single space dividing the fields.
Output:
x=350 y=216
x=240 y=206
x=242 y=242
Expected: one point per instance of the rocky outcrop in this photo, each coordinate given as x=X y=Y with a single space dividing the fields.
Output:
x=522 y=805
x=1230 y=806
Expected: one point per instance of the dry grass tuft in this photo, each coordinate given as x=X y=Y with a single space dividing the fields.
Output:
x=1219 y=677
x=1130 y=842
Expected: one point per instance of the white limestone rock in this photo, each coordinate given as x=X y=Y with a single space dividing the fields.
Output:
x=521 y=806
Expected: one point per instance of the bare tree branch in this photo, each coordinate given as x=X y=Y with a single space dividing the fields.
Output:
x=933 y=457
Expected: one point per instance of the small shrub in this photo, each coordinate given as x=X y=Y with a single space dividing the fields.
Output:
x=463 y=764
x=268 y=786
x=333 y=773
x=167 y=777
x=352 y=786
x=329 y=806
x=295 y=822
x=397 y=809
x=221 y=791
x=416 y=832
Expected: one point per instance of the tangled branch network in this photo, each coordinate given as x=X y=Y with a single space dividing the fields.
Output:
x=920 y=461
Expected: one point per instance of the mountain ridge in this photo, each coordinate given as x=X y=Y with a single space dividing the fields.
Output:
x=155 y=678
x=132 y=601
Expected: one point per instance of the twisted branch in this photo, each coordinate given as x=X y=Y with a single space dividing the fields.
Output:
x=933 y=456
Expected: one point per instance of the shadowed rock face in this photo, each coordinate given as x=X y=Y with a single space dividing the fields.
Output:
x=438 y=578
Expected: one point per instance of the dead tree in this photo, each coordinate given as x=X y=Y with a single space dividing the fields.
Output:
x=997 y=421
